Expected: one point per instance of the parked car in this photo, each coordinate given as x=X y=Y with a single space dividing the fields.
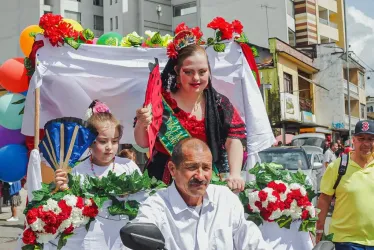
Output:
x=294 y=158
x=309 y=139
x=315 y=155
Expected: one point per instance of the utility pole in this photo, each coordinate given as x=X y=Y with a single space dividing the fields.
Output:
x=347 y=70
x=267 y=16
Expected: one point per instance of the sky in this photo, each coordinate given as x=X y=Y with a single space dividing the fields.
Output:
x=360 y=25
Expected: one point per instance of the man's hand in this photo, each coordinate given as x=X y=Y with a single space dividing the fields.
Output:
x=235 y=183
x=319 y=235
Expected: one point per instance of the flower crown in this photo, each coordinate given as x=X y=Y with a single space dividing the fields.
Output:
x=96 y=107
x=184 y=36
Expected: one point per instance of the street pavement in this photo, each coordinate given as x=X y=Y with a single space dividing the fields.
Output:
x=10 y=231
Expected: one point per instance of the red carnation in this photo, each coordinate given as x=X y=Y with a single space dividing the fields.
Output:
x=249 y=208
x=48 y=217
x=171 y=51
x=80 y=202
x=305 y=215
x=181 y=27
x=90 y=211
x=29 y=237
x=32 y=215
x=197 y=32
x=50 y=228
x=266 y=215
x=238 y=27
x=258 y=204
x=69 y=230
x=227 y=31
x=262 y=195
x=280 y=188
x=216 y=23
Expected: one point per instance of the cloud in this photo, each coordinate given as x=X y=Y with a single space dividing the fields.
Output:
x=361 y=38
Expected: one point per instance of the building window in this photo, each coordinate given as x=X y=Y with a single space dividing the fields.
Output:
x=184 y=9
x=111 y=2
x=111 y=23
x=117 y=22
x=46 y=12
x=73 y=15
x=291 y=38
x=98 y=2
x=288 y=85
x=116 y=1
x=363 y=107
x=98 y=23
x=361 y=80
x=291 y=8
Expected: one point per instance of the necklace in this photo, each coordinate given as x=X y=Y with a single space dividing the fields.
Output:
x=93 y=170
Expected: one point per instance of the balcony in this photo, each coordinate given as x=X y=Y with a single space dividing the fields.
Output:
x=353 y=88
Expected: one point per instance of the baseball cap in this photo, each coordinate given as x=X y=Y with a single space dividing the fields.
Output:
x=364 y=127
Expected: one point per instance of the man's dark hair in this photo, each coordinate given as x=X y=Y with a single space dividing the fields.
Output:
x=177 y=156
x=332 y=144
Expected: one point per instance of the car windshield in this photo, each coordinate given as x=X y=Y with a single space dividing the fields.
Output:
x=310 y=141
x=291 y=160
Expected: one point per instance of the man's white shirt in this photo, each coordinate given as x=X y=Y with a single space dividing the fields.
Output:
x=220 y=224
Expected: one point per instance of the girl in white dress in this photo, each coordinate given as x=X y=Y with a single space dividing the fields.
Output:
x=104 y=231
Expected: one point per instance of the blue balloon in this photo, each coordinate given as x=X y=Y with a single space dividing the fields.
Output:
x=13 y=162
x=24 y=93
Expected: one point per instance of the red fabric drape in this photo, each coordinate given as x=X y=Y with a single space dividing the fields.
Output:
x=251 y=61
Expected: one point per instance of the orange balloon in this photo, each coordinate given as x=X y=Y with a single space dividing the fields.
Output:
x=13 y=75
x=26 y=41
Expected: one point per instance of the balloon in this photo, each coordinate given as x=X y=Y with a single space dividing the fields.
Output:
x=9 y=113
x=26 y=41
x=8 y=136
x=24 y=93
x=13 y=160
x=13 y=75
x=94 y=41
x=110 y=39
x=75 y=24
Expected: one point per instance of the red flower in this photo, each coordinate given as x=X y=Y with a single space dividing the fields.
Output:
x=29 y=237
x=280 y=188
x=32 y=215
x=49 y=20
x=50 y=228
x=249 y=208
x=69 y=230
x=48 y=217
x=197 y=32
x=80 y=202
x=276 y=194
x=272 y=206
x=216 y=23
x=262 y=195
x=266 y=215
x=182 y=26
x=90 y=211
x=171 y=51
x=305 y=215
x=258 y=204
x=238 y=27
x=227 y=31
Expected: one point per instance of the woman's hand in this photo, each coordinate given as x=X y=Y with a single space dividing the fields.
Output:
x=144 y=117
x=236 y=183
x=61 y=179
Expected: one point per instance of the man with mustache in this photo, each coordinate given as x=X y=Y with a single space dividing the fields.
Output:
x=352 y=221
x=193 y=214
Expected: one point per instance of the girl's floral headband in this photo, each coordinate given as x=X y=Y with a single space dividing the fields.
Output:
x=97 y=107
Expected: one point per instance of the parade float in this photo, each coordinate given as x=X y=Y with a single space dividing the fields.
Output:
x=65 y=68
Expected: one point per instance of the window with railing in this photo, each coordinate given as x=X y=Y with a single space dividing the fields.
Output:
x=291 y=37
x=98 y=2
x=184 y=9
x=98 y=22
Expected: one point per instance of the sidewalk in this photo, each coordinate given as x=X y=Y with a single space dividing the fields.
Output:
x=9 y=231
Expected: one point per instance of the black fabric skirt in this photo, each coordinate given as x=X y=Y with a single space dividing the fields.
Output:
x=157 y=165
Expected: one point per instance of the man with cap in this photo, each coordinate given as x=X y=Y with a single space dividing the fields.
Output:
x=352 y=221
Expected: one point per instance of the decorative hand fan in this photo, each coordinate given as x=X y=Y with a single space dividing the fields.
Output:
x=65 y=140
x=153 y=100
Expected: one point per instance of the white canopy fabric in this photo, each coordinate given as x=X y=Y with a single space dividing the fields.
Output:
x=70 y=79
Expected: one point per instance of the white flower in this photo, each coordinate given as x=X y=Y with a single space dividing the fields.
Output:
x=296 y=213
x=88 y=202
x=76 y=217
x=253 y=197
x=270 y=197
x=312 y=211
x=283 y=197
x=37 y=225
x=71 y=200
x=276 y=214
x=45 y=238
x=52 y=206
x=295 y=186
x=65 y=224
x=303 y=191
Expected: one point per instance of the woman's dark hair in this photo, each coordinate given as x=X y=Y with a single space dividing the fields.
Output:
x=169 y=76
